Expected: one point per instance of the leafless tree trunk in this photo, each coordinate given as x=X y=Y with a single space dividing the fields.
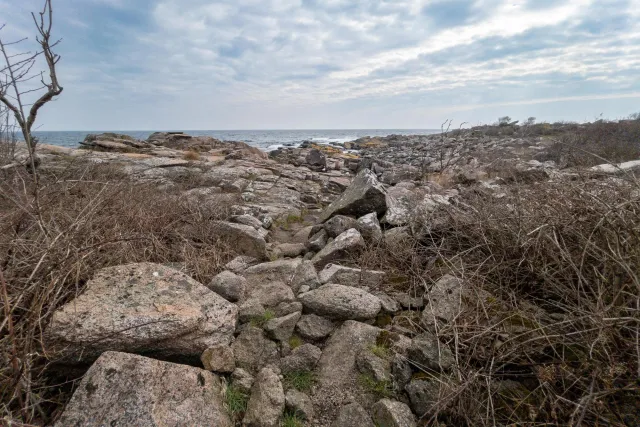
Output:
x=17 y=75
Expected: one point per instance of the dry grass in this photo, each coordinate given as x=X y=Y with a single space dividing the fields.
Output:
x=191 y=155
x=88 y=217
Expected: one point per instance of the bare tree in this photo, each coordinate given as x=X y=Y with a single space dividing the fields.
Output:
x=19 y=82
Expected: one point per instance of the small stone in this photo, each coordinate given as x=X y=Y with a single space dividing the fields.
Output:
x=427 y=352
x=305 y=275
x=299 y=403
x=423 y=396
x=218 y=359
x=389 y=305
x=281 y=328
x=253 y=351
x=242 y=380
x=400 y=372
x=318 y=241
x=303 y=289
x=240 y=263
x=352 y=415
x=339 y=224
x=391 y=413
x=229 y=286
x=409 y=302
x=303 y=358
x=373 y=366
x=314 y=328
x=369 y=227
x=286 y=308
x=267 y=400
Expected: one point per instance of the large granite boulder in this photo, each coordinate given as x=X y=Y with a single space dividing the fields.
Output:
x=341 y=302
x=245 y=239
x=123 y=389
x=363 y=196
x=142 y=308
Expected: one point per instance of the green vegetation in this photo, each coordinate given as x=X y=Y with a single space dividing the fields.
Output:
x=300 y=380
x=380 y=351
x=236 y=401
x=290 y=419
x=379 y=388
x=295 y=341
x=259 y=321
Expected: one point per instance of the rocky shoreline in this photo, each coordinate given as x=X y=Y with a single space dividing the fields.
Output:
x=287 y=329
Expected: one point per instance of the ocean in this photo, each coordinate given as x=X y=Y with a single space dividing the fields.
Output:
x=264 y=139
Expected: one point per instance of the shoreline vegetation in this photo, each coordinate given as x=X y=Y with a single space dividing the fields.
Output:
x=509 y=250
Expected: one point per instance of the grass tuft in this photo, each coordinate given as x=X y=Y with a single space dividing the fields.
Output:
x=300 y=380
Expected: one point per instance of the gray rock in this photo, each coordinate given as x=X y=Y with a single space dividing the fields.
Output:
x=391 y=413
x=249 y=310
x=316 y=160
x=339 y=224
x=281 y=328
x=249 y=220
x=299 y=404
x=401 y=372
x=423 y=395
x=401 y=206
x=242 y=380
x=267 y=400
x=271 y=294
x=305 y=275
x=344 y=245
x=341 y=302
x=229 y=286
x=304 y=289
x=240 y=263
x=318 y=241
x=364 y=195
x=142 y=308
x=125 y=389
x=389 y=305
x=291 y=250
x=303 y=235
x=218 y=359
x=373 y=366
x=286 y=308
x=253 y=351
x=245 y=239
x=369 y=227
x=398 y=237
x=409 y=302
x=333 y=273
x=352 y=415
x=398 y=174
x=281 y=270
x=426 y=352
x=302 y=359
x=444 y=300
x=314 y=328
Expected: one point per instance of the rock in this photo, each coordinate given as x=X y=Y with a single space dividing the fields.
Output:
x=287 y=308
x=398 y=237
x=345 y=244
x=423 y=396
x=281 y=270
x=341 y=303
x=123 y=389
x=249 y=220
x=281 y=328
x=302 y=359
x=401 y=205
x=391 y=413
x=339 y=224
x=142 y=308
x=299 y=404
x=242 y=380
x=426 y=352
x=369 y=227
x=267 y=400
x=304 y=289
x=218 y=359
x=333 y=273
x=305 y=275
x=303 y=235
x=318 y=241
x=271 y=294
x=400 y=173
x=409 y=302
x=240 y=263
x=389 y=305
x=400 y=372
x=249 y=310
x=353 y=415
x=229 y=286
x=373 y=366
x=364 y=195
x=316 y=160
x=444 y=299
x=314 y=328
x=244 y=239
x=292 y=250
x=253 y=351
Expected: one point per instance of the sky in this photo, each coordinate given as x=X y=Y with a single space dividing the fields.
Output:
x=335 y=64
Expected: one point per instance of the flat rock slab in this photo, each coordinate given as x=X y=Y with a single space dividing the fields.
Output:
x=122 y=389
x=142 y=308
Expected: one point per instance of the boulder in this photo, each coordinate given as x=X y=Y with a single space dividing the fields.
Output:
x=249 y=220
x=316 y=160
x=352 y=415
x=267 y=400
x=281 y=328
x=401 y=205
x=314 y=328
x=391 y=413
x=444 y=300
x=423 y=395
x=339 y=224
x=286 y=308
x=242 y=380
x=341 y=302
x=302 y=359
x=271 y=294
x=427 y=352
x=291 y=250
x=318 y=241
x=281 y=270
x=142 y=308
x=123 y=389
x=229 y=286
x=245 y=239
x=345 y=244
x=218 y=359
x=240 y=263
x=398 y=174
x=369 y=227
x=299 y=404
x=363 y=196
x=305 y=275
x=373 y=366
x=253 y=351
x=249 y=310
x=333 y=273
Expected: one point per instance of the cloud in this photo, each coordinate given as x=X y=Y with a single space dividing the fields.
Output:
x=270 y=63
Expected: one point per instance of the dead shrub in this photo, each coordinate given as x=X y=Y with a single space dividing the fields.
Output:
x=191 y=155
x=88 y=217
